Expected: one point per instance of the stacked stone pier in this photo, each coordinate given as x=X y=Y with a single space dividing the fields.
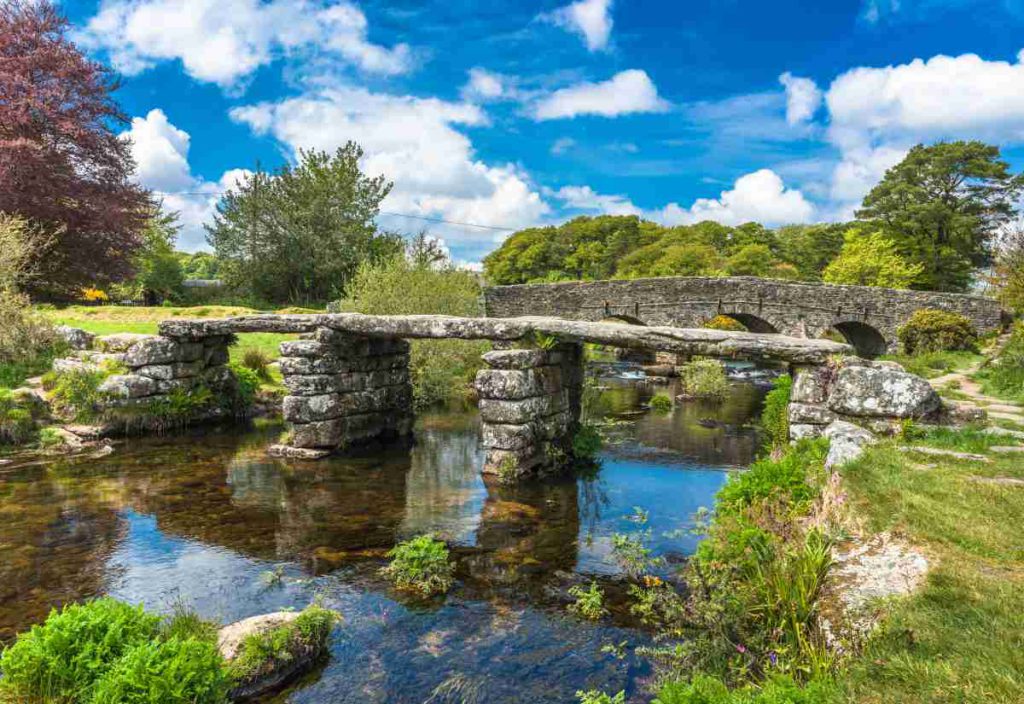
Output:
x=344 y=390
x=529 y=408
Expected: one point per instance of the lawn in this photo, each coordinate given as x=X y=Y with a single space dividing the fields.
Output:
x=106 y=320
x=933 y=364
x=960 y=638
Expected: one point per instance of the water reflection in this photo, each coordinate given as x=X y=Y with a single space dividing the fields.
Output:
x=203 y=517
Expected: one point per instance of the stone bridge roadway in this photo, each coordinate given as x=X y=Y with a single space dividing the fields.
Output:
x=348 y=377
x=867 y=317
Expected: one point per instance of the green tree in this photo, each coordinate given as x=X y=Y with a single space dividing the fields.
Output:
x=941 y=206
x=751 y=260
x=1008 y=273
x=871 y=260
x=810 y=248
x=686 y=260
x=158 y=265
x=299 y=234
x=199 y=265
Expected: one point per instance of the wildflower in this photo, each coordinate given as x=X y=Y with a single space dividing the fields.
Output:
x=740 y=648
x=650 y=581
x=773 y=658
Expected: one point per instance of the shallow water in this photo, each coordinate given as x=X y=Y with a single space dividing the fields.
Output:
x=207 y=519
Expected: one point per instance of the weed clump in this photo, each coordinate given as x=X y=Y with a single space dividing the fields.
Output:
x=589 y=601
x=421 y=565
x=703 y=378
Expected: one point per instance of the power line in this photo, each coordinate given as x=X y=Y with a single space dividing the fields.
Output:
x=382 y=212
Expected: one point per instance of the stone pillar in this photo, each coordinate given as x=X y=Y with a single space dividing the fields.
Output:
x=158 y=366
x=344 y=390
x=530 y=402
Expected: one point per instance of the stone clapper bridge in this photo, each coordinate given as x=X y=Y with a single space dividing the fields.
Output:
x=348 y=376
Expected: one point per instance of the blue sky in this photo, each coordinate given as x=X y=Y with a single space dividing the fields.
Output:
x=509 y=114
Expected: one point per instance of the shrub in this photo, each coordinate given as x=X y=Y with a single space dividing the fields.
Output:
x=257 y=361
x=930 y=330
x=16 y=423
x=247 y=384
x=724 y=322
x=63 y=658
x=441 y=370
x=174 y=671
x=589 y=601
x=76 y=393
x=420 y=564
x=661 y=403
x=703 y=378
x=784 y=478
x=775 y=416
x=50 y=438
x=587 y=443
x=28 y=341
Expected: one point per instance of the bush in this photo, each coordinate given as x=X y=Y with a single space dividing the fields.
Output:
x=930 y=330
x=420 y=564
x=76 y=393
x=257 y=361
x=724 y=322
x=28 y=341
x=1004 y=377
x=174 y=671
x=247 y=384
x=441 y=370
x=587 y=443
x=589 y=601
x=703 y=378
x=661 y=403
x=775 y=416
x=784 y=478
x=16 y=423
x=64 y=657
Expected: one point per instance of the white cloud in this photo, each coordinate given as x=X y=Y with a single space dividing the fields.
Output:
x=414 y=142
x=803 y=98
x=225 y=41
x=760 y=196
x=626 y=92
x=877 y=114
x=484 y=85
x=585 y=198
x=591 y=19
x=160 y=151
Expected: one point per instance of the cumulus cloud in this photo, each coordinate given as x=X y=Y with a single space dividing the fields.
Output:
x=415 y=142
x=160 y=151
x=803 y=98
x=626 y=92
x=877 y=114
x=225 y=41
x=585 y=198
x=760 y=196
x=591 y=19
x=484 y=85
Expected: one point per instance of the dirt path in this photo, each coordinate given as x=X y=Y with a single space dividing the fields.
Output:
x=968 y=391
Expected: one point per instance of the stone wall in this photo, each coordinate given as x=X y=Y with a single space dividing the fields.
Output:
x=345 y=389
x=878 y=396
x=867 y=316
x=158 y=366
x=530 y=403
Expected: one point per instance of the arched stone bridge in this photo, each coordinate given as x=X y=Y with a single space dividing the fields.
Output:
x=867 y=317
x=348 y=377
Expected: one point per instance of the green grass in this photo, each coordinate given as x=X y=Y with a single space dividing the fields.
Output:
x=933 y=364
x=960 y=638
x=108 y=320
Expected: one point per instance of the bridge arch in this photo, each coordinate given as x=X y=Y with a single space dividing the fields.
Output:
x=864 y=338
x=753 y=322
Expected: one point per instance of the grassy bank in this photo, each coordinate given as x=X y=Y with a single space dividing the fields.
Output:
x=108 y=320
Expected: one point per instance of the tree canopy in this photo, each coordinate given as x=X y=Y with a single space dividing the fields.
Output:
x=61 y=164
x=298 y=235
x=941 y=206
x=871 y=260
